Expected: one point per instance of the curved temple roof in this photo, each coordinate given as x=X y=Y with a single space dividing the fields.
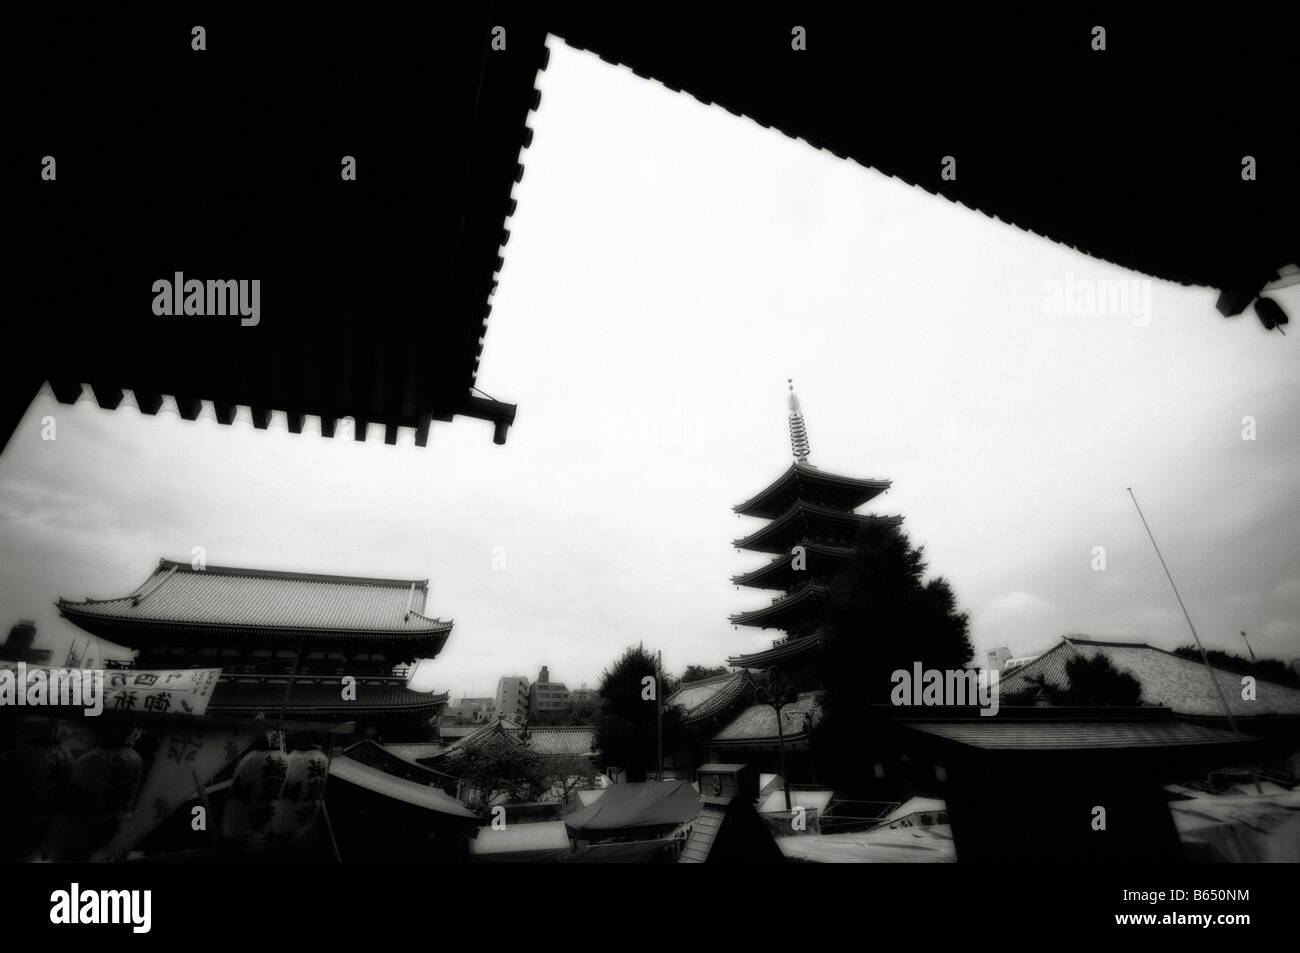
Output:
x=821 y=562
x=708 y=696
x=783 y=611
x=805 y=481
x=223 y=597
x=804 y=520
x=791 y=648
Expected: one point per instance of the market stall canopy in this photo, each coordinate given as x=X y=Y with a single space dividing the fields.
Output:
x=643 y=806
x=521 y=843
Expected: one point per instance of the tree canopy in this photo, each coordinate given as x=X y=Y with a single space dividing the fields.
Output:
x=626 y=722
x=498 y=768
x=1269 y=669
x=695 y=673
x=1090 y=683
x=882 y=615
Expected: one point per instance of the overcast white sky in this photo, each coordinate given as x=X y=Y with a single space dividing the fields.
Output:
x=670 y=266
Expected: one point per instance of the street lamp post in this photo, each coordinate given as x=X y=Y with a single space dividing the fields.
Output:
x=778 y=694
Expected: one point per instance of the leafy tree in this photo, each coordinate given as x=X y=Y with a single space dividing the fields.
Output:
x=1089 y=683
x=567 y=774
x=498 y=767
x=694 y=673
x=881 y=616
x=625 y=726
x=1096 y=682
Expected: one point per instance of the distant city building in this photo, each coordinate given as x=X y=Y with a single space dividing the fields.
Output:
x=998 y=658
x=512 y=698
x=18 y=647
x=472 y=711
x=545 y=695
x=584 y=695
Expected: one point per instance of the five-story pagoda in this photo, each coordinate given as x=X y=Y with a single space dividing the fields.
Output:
x=811 y=534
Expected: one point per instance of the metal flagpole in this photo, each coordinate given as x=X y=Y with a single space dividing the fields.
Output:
x=1204 y=658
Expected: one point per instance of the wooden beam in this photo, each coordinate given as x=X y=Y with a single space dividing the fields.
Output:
x=422 y=431
x=261 y=418
x=225 y=413
x=390 y=435
x=296 y=419
x=359 y=429
x=327 y=425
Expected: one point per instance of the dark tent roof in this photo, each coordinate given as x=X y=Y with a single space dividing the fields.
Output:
x=636 y=806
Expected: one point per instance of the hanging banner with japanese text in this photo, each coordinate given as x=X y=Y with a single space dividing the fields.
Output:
x=179 y=692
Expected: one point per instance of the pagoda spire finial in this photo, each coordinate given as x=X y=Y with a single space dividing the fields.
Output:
x=798 y=432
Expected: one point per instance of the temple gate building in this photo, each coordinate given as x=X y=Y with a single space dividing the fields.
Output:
x=304 y=646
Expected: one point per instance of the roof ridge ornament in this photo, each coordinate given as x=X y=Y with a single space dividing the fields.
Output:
x=798 y=431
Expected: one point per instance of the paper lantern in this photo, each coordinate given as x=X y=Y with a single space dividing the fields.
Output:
x=258 y=783
x=296 y=812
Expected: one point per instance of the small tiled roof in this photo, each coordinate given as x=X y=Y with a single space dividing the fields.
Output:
x=757 y=723
x=343 y=768
x=390 y=761
x=1168 y=680
x=706 y=697
x=220 y=596
x=320 y=696
x=416 y=751
x=557 y=741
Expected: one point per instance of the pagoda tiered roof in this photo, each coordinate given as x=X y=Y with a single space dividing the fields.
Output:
x=820 y=563
x=809 y=521
x=785 y=612
x=220 y=602
x=803 y=481
x=781 y=652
